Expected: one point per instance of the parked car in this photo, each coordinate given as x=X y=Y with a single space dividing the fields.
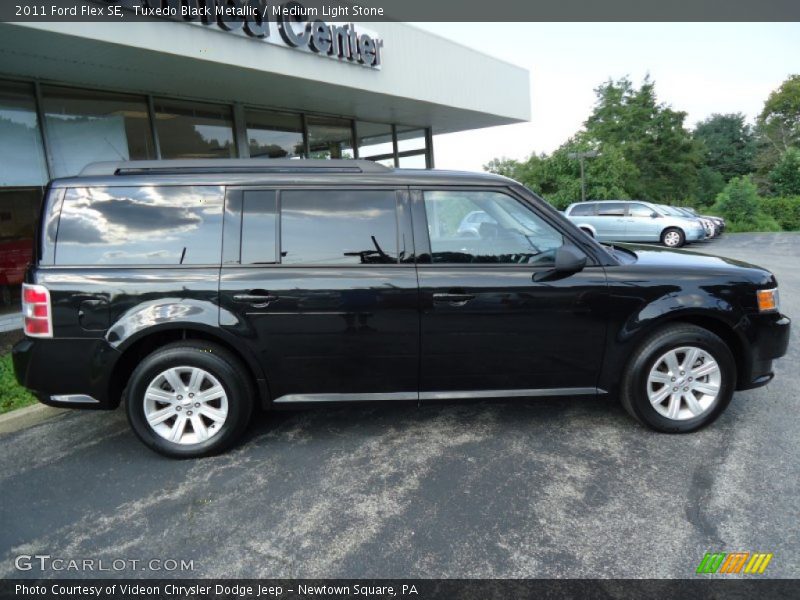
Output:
x=676 y=211
x=198 y=290
x=472 y=222
x=719 y=222
x=634 y=221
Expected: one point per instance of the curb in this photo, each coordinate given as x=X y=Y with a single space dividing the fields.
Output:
x=29 y=416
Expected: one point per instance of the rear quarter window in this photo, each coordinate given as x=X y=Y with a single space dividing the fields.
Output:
x=167 y=225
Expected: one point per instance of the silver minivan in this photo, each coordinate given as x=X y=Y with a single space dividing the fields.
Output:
x=634 y=221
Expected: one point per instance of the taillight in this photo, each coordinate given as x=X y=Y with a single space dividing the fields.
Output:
x=37 y=311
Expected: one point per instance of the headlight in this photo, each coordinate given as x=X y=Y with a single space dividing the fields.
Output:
x=768 y=300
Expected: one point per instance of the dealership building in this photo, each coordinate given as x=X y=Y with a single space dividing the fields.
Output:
x=72 y=93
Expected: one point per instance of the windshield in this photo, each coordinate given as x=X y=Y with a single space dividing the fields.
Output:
x=671 y=210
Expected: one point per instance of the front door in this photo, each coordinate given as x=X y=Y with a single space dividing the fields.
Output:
x=488 y=328
x=641 y=225
x=320 y=283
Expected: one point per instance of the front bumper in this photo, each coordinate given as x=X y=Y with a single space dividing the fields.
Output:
x=695 y=235
x=69 y=373
x=769 y=340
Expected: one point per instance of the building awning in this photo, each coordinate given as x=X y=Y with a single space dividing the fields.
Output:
x=423 y=80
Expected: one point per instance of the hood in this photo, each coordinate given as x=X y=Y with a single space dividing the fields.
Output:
x=683 y=260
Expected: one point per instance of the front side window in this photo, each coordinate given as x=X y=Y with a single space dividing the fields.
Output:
x=639 y=210
x=486 y=227
x=338 y=227
x=179 y=225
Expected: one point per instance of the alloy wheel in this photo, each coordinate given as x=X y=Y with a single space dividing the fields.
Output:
x=684 y=383
x=186 y=405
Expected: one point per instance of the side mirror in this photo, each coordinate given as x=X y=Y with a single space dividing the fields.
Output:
x=654 y=215
x=568 y=260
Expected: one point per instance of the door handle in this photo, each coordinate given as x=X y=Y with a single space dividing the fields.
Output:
x=257 y=300
x=457 y=299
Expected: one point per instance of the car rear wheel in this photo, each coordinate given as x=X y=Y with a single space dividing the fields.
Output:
x=189 y=399
x=673 y=237
x=587 y=232
x=679 y=380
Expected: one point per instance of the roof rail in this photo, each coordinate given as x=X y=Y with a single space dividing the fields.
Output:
x=231 y=165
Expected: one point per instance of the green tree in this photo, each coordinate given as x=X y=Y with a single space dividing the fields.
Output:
x=778 y=126
x=650 y=135
x=785 y=177
x=780 y=118
x=728 y=144
x=557 y=177
x=709 y=183
x=739 y=204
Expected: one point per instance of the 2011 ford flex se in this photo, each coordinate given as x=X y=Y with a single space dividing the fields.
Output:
x=197 y=290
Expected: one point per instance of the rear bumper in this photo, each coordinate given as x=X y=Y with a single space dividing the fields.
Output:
x=69 y=373
x=769 y=340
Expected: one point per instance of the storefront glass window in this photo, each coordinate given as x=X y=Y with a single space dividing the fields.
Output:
x=21 y=155
x=417 y=161
x=410 y=139
x=329 y=137
x=18 y=210
x=194 y=130
x=375 y=141
x=89 y=126
x=274 y=135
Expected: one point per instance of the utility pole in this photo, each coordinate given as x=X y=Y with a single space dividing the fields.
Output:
x=582 y=156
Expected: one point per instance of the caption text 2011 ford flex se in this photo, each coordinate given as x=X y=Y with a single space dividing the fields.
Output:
x=198 y=290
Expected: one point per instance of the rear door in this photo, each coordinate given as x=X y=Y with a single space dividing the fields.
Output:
x=610 y=221
x=321 y=284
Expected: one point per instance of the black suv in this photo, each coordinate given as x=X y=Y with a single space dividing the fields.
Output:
x=198 y=290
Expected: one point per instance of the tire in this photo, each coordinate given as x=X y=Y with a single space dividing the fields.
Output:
x=638 y=387
x=587 y=232
x=202 y=368
x=673 y=237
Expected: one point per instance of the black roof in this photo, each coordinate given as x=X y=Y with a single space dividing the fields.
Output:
x=267 y=172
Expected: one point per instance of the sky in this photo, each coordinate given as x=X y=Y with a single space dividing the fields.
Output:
x=699 y=68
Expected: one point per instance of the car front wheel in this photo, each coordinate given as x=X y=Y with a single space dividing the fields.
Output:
x=189 y=399
x=673 y=237
x=679 y=380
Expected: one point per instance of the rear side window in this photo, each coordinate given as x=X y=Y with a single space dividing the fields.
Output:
x=179 y=225
x=582 y=210
x=259 y=227
x=338 y=227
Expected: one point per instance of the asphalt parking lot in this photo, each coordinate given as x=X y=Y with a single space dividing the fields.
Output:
x=531 y=488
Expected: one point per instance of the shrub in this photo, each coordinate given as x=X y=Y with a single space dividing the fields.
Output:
x=786 y=211
x=785 y=177
x=761 y=223
x=740 y=205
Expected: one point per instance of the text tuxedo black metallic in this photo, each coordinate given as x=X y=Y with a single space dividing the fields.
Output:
x=196 y=288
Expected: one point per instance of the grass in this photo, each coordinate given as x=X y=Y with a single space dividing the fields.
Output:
x=12 y=395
